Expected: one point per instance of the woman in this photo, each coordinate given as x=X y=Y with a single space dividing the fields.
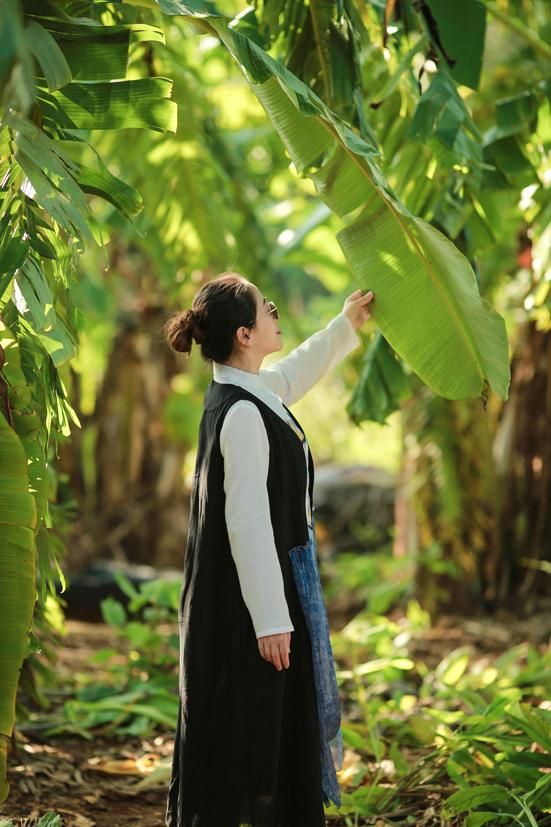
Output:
x=258 y=718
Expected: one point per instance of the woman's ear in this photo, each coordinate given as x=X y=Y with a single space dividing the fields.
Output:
x=242 y=335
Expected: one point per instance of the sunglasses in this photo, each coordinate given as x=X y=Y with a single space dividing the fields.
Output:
x=271 y=309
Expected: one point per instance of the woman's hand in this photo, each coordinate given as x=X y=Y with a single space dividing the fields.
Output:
x=275 y=649
x=356 y=307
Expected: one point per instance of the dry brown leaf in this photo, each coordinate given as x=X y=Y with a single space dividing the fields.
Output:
x=126 y=766
x=78 y=819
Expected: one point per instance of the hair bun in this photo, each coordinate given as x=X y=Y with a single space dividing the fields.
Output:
x=194 y=322
x=182 y=328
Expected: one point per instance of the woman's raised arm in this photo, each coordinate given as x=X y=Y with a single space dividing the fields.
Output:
x=293 y=375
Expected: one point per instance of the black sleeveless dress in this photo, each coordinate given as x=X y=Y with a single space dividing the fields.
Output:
x=247 y=749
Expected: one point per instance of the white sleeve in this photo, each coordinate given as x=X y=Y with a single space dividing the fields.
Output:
x=246 y=451
x=294 y=375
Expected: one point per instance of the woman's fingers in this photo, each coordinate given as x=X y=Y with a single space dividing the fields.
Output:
x=360 y=299
x=275 y=656
x=279 y=654
x=356 y=307
x=284 y=654
x=275 y=649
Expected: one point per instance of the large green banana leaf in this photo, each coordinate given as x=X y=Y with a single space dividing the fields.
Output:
x=18 y=521
x=143 y=103
x=427 y=302
x=92 y=51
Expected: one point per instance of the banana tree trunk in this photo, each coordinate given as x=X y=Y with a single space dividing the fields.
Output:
x=523 y=456
x=132 y=498
x=139 y=492
x=446 y=502
x=476 y=487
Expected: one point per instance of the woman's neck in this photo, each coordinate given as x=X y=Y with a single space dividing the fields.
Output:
x=252 y=365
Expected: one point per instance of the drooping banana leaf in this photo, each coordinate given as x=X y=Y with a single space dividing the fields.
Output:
x=381 y=386
x=95 y=51
x=111 y=188
x=427 y=302
x=143 y=103
x=18 y=521
x=58 y=183
x=50 y=58
x=34 y=300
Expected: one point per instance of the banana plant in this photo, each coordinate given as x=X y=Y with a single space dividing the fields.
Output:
x=18 y=522
x=427 y=303
x=60 y=73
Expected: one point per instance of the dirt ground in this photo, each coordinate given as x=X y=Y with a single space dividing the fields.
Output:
x=93 y=783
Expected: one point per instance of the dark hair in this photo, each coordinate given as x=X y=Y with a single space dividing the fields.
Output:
x=222 y=305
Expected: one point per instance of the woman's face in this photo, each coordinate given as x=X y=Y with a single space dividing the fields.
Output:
x=266 y=334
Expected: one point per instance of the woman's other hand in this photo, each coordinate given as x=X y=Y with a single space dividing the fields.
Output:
x=275 y=649
x=356 y=307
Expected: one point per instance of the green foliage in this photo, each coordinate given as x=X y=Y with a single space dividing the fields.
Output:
x=321 y=42
x=465 y=53
x=481 y=725
x=49 y=819
x=136 y=693
x=375 y=580
x=382 y=385
x=471 y=721
x=45 y=215
x=49 y=94
x=18 y=520
x=401 y=257
x=378 y=580
x=475 y=723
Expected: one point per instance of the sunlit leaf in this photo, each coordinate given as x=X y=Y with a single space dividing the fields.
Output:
x=52 y=61
x=143 y=103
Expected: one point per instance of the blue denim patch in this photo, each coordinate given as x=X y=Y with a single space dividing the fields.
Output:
x=308 y=583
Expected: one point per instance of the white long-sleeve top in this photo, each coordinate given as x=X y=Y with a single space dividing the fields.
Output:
x=245 y=447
